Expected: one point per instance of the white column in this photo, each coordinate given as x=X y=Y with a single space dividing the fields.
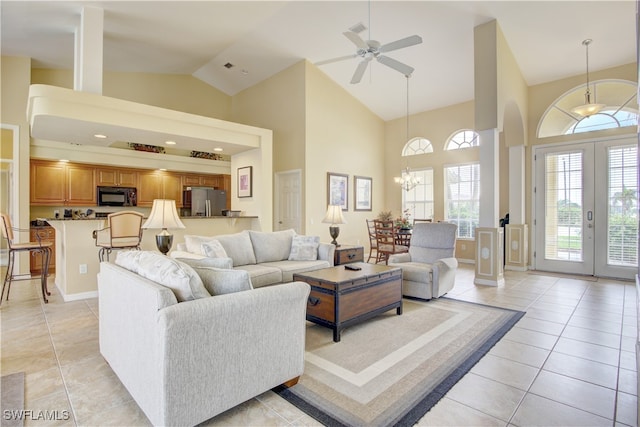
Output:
x=489 y=174
x=516 y=184
x=88 y=60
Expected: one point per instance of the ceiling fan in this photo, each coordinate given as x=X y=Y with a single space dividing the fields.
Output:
x=370 y=49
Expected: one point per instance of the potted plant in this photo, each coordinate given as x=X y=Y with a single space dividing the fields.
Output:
x=404 y=221
x=385 y=216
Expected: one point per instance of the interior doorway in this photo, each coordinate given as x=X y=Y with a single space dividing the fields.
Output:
x=288 y=201
x=585 y=214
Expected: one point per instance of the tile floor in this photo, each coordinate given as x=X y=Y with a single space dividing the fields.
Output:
x=569 y=361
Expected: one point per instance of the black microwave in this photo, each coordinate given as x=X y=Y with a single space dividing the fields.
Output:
x=117 y=196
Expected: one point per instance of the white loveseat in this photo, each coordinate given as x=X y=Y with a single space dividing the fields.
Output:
x=185 y=362
x=267 y=256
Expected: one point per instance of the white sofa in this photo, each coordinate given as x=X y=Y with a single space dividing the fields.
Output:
x=185 y=362
x=267 y=256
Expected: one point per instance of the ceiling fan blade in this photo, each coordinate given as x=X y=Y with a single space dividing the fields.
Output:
x=362 y=67
x=356 y=39
x=399 y=44
x=340 y=58
x=396 y=65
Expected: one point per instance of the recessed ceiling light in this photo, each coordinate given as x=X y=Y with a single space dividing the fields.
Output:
x=170 y=142
x=99 y=135
x=217 y=149
x=64 y=160
x=162 y=169
x=245 y=72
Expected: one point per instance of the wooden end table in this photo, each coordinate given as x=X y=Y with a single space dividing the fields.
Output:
x=346 y=254
x=340 y=297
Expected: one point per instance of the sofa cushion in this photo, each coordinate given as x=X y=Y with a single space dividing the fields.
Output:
x=262 y=275
x=304 y=248
x=208 y=262
x=289 y=268
x=271 y=246
x=219 y=281
x=238 y=247
x=178 y=276
x=213 y=248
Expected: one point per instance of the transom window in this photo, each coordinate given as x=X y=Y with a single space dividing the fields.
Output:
x=417 y=146
x=462 y=139
x=619 y=96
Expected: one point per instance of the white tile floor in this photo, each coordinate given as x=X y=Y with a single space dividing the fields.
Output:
x=569 y=361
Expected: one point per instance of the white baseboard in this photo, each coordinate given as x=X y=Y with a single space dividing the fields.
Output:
x=78 y=296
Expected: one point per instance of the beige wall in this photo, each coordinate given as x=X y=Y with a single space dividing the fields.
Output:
x=173 y=91
x=342 y=136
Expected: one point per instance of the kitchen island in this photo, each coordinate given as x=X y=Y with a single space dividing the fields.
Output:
x=77 y=263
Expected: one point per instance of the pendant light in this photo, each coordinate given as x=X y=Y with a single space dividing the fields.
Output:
x=588 y=108
x=407 y=181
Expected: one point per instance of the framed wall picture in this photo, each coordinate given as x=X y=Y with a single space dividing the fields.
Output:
x=362 y=193
x=245 y=181
x=337 y=190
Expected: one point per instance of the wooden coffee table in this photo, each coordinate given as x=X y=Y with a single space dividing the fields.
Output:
x=340 y=298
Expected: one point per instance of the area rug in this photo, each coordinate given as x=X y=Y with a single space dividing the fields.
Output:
x=12 y=399
x=392 y=369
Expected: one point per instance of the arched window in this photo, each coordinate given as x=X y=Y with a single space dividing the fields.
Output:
x=418 y=145
x=462 y=139
x=619 y=96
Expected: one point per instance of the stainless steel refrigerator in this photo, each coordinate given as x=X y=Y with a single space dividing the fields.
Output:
x=205 y=201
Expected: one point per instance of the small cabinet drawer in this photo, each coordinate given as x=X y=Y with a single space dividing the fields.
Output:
x=348 y=254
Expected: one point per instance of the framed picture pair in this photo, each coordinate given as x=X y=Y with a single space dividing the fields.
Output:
x=338 y=191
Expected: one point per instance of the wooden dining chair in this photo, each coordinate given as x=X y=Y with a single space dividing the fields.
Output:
x=373 y=243
x=387 y=240
x=40 y=247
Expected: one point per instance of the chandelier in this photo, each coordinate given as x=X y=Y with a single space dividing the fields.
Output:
x=588 y=108
x=407 y=181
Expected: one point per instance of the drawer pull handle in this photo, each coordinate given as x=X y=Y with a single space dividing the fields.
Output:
x=351 y=256
x=314 y=301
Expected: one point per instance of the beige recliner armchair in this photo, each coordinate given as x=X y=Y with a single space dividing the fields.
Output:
x=428 y=270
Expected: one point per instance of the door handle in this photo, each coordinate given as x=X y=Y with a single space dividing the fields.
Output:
x=589 y=216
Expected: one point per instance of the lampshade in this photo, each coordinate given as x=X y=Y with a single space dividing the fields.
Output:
x=163 y=215
x=588 y=108
x=334 y=215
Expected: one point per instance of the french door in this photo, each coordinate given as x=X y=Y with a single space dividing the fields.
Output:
x=586 y=201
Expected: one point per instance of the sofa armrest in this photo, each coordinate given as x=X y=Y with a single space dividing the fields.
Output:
x=223 y=350
x=326 y=252
x=444 y=276
x=399 y=258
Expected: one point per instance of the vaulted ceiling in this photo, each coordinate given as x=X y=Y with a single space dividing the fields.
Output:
x=262 y=38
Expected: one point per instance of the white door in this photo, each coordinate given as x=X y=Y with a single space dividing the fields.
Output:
x=585 y=208
x=288 y=201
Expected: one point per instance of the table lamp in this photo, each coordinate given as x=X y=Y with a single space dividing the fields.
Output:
x=333 y=217
x=165 y=216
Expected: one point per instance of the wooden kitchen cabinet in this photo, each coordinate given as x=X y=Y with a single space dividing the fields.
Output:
x=116 y=177
x=159 y=185
x=47 y=234
x=193 y=180
x=55 y=183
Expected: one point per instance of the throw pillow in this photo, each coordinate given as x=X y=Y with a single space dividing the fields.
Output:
x=208 y=262
x=175 y=275
x=219 y=282
x=213 y=248
x=194 y=243
x=304 y=248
